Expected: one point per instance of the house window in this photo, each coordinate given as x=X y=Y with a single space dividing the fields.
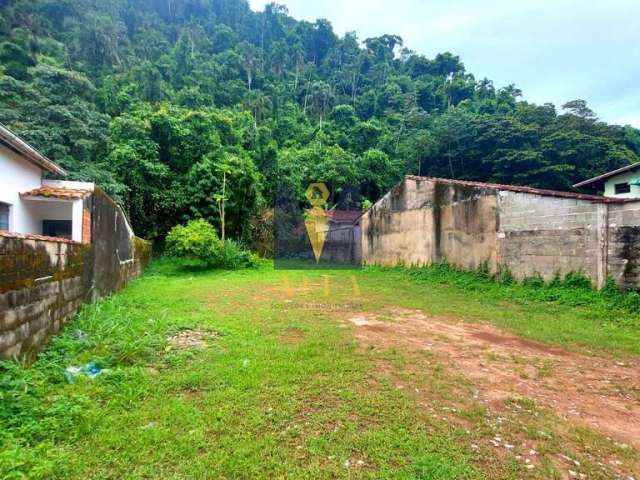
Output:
x=57 y=228
x=5 y=211
x=622 y=188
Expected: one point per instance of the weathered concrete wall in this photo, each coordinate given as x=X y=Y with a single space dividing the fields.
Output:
x=43 y=283
x=342 y=245
x=114 y=246
x=623 y=245
x=423 y=221
x=399 y=227
x=465 y=222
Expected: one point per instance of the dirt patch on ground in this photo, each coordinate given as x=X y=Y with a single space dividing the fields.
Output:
x=185 y=339
x=292 y=336
x=596 y=392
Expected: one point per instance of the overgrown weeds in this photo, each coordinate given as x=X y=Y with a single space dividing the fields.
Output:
x=574 y=289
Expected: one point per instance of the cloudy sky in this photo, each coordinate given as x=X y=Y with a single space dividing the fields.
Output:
x=554 y=50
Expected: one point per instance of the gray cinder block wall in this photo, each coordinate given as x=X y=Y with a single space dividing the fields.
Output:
x=528 y=231
x=44 y=282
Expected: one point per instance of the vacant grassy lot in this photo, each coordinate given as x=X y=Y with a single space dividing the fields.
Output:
x=426 y=374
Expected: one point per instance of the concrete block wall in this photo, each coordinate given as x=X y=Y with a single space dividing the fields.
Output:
x=42 y=284
x=529 y=232
x=548 y=236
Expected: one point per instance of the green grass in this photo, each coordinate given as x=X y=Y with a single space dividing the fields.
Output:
x=568 y=313
x=282 y=390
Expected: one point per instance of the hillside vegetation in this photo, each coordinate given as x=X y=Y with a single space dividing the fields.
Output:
x=156 y=100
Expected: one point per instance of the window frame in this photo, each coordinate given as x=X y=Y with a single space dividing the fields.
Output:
x=47 y=222
x=621 y=188
x=9 y=210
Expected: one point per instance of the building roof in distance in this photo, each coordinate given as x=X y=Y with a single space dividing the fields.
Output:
x=531 y=190
x=605 y=176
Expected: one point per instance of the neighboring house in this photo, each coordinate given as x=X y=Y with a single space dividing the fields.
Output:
x=61 y=244
x=30 y=205
x=621 y=183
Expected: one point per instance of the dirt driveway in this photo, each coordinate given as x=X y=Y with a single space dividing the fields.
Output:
x=598 y=393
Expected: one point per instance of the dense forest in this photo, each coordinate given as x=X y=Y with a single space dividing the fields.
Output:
x=156 y=100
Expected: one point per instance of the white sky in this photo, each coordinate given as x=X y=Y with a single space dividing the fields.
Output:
x=554 y=50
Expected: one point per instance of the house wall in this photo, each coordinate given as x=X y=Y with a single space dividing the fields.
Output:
x=422 y=221
x=17 y=175
x=609 y=185
x=44 y=283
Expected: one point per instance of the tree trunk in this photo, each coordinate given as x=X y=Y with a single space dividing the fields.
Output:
x=224 y=185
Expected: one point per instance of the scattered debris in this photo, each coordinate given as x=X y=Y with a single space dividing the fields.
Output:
x=80 y=335
x=90 y=370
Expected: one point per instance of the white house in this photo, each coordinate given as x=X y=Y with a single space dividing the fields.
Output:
x=30 y=205
x=621 y=183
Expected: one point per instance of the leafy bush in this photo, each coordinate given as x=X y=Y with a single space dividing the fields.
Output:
x=232 y=256
x=198 y=240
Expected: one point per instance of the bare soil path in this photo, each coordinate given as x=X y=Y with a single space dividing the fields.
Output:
x=595 y=392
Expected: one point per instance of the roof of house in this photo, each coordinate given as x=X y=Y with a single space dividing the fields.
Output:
x=344 y=215
x=531 y=190
x=29 y=236
x=18 y=145
x=604 y=176
x=63 y=193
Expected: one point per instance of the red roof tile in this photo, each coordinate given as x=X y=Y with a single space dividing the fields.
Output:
x=57 y=192
x=344 y=215
x=30 y=236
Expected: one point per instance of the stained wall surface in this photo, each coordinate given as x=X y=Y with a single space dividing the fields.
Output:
x=425 y=220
